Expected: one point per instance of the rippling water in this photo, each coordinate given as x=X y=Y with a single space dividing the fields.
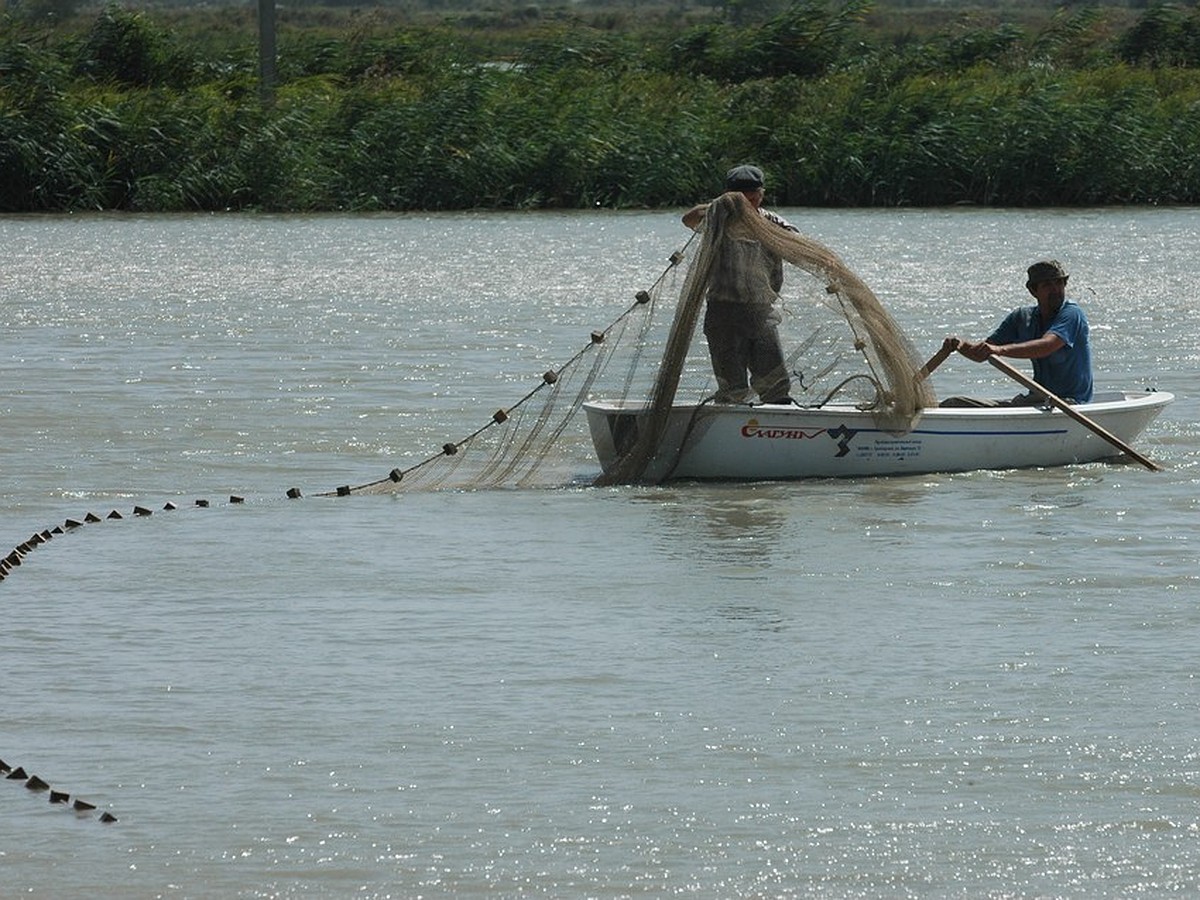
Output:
x=956 y=686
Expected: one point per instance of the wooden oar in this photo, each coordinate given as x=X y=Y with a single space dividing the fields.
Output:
x=1073 y=413
x=934 y=361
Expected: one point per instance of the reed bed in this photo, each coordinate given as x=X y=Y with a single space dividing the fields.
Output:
x=132 y=111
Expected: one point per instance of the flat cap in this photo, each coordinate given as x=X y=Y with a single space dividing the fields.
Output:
x=744 y=178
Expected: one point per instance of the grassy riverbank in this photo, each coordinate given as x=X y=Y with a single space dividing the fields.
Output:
x=841 y=104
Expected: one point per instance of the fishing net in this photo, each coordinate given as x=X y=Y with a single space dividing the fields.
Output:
x=841 y=346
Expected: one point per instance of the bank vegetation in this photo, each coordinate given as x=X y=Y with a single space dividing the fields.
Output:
x=841 y=102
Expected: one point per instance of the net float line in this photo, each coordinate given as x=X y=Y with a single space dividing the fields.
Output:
x=35 y=785
x=530 y=447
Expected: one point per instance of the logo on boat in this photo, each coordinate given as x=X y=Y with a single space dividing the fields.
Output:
x=753 y=430
x=841 y=434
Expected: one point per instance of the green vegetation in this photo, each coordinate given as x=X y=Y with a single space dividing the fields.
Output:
x=842 y=103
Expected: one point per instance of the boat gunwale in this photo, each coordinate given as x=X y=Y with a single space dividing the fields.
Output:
x=1114 y=401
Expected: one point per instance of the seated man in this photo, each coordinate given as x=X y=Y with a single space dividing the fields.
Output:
x=1053 y=334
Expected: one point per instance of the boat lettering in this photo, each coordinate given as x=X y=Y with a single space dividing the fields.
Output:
x=753 y=430
x=841 y=434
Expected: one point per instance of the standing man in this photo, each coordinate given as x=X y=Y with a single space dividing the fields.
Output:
x=1053 y=334
x=741 y=317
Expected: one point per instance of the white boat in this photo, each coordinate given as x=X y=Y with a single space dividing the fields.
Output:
x=769 y=442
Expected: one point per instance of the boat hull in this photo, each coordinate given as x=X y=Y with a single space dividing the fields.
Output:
x=733 y=442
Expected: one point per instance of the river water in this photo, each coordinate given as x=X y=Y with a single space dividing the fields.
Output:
x=973 y=685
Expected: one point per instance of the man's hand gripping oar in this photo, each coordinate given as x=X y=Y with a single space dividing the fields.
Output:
x=950 y=344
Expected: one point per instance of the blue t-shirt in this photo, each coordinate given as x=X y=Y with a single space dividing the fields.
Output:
x=1067 y=372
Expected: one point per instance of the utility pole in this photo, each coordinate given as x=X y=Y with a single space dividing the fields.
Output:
x=266 y=52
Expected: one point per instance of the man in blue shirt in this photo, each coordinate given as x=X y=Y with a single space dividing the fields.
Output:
x=1053 y=335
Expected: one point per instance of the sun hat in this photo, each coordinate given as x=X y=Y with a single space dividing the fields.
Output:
x=1046 y=270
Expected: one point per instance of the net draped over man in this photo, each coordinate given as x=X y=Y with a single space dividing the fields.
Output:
x=741 y=316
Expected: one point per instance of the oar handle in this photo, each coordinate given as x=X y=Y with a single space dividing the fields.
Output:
x=1073 y=412
x=934 y=361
